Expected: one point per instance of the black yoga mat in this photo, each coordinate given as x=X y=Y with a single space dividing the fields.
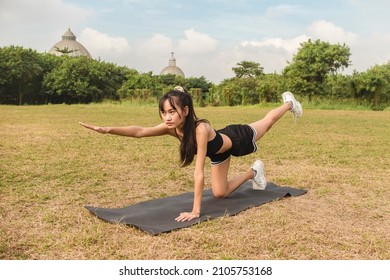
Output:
x=158 y=215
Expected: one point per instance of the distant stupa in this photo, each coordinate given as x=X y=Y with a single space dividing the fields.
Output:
x=69 y=46
x=172 y=68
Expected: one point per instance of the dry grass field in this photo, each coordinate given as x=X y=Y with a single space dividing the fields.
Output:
x=50 y=167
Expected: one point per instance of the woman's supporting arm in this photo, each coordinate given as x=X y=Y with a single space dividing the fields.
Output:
x=201 y=140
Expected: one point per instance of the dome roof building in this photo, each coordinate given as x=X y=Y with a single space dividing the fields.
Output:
x=69 y=46
x=172 y=68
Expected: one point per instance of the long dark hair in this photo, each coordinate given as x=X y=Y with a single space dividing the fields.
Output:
x=180 y=97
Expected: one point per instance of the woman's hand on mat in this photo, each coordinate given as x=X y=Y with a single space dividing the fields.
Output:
x=187 y=216
x=100 y=129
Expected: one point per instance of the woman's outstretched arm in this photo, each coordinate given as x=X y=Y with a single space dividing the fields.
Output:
x=130 y=131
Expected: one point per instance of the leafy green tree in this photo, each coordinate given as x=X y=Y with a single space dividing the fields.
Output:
x=83 y=80
x=248 y=69
x=234 y=91
x=19 y=71
x=313 y=63
x=48 y=62
x=68 y=83
x=243 y=89
x=201 y=82
x=374 y=85
x=199 y=88
x=248 y=91
x=107 y=78
x=141 y=86
x=269 y=88
x=222 y=93
x=170 y=80
x=339 y=86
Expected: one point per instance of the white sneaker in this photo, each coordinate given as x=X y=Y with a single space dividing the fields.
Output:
x=296 y=106
x=258 y=182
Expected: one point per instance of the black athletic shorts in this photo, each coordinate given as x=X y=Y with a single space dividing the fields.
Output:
x=243 y=139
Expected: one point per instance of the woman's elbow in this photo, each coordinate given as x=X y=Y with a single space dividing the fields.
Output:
x=138 y=132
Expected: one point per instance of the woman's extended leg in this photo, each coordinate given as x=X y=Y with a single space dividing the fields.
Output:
x=290 y=104
x=220 y=184
x=263 y=125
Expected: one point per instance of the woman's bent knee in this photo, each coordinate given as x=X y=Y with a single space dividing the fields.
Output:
x=219 y=193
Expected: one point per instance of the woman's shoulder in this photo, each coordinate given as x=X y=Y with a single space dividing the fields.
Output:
x=203 y=126
x=205 y=129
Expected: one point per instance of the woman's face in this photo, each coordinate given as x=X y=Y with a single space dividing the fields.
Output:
x=173 y=118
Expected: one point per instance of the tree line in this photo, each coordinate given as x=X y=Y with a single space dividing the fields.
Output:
x=314 y=74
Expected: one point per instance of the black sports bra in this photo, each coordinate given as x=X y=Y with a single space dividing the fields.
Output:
x=213 y=146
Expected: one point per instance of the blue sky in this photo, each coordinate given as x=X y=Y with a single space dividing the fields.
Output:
x=208 y=37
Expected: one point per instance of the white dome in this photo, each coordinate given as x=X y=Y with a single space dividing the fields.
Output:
x=69 y=46
x=172 y=68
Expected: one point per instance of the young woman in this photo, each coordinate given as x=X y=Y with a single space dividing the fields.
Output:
x=198 y=137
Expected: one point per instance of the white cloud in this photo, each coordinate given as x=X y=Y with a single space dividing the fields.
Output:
x=102 y=45
x=151 y=54
x=327 y=31
x=323 y=30
x=197 y=43
x=369 y=51
x=288 y=45
x=158 y=44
